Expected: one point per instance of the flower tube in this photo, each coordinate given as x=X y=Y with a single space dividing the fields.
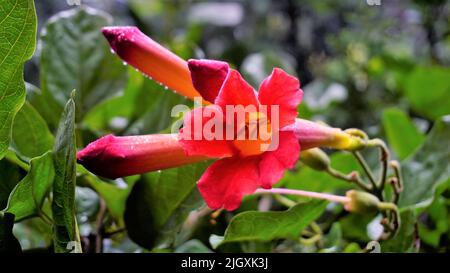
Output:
x=151 y=58
x=114 y=157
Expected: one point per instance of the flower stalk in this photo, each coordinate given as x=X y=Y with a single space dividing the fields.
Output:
x=316 y=195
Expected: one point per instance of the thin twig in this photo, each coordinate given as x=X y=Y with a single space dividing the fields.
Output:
x=366 y=168
x=100 y=227
x=353 y=177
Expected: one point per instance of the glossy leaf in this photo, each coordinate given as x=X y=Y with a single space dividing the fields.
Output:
x=27 y=197
x=428 y=168
x=75 y=55
x=31 y=136
x=159 y=204
x=266 y=226
x=427 y=90
x=17 y=43
x=44 y=104
x=402 y=134
x=63 y=206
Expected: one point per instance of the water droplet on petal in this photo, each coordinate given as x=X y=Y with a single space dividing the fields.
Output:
x=112 y=51
x=124 y=63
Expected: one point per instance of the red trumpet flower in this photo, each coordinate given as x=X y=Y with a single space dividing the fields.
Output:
x=248 y=164
x=244 y=163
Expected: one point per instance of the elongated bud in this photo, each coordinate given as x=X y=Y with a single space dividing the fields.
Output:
x=311 y=134
x=362 y=202
x=152 y=59
x=114 y=157
x=315 y=158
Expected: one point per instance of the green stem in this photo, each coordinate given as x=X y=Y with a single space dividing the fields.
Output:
x=384 y=157
x=352 y=178
x=11 y=157
x=366 y=168
x=284 y=200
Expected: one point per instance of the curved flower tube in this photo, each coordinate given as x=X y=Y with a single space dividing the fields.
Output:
x=114 y=157
x=152 y=59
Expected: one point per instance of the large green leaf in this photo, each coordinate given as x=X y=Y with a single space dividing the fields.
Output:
x=402 y=134
x=63 y=206
x=75 y=55
x=159 y=204
x=31 y=136
x=428 y=168
x=101 y=117
x=427 y=90
x=27 y=197
x=266 y=226
x=44 y=104
x=17 y=42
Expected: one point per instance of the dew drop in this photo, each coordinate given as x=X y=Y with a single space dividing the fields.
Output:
x=165 y=87
x=112 y=51
x=124 y=63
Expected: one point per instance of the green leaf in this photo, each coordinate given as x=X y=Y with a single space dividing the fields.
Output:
x=31 y=136
x=437 y=223
x=8 y=243
x=403 y=241
x=63 y=206
x=159 y=204
x=428 y=168
x=154 y=100
x=18 y=39
x=75 y=55
x=402 y=134
x=354 y=227
x=266 y=226
x=334 y=238
x=45 y=105
x=27 y=197
x=100 y=117
x=427 y=90
x=115 y=197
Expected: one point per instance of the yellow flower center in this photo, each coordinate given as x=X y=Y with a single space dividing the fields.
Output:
x=254 y=135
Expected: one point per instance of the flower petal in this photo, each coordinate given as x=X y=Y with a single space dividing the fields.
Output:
x=284 y=90
x=235 y=91
x=199 y=138
x=208 y=76
x=274 y=163
x=226 y=181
